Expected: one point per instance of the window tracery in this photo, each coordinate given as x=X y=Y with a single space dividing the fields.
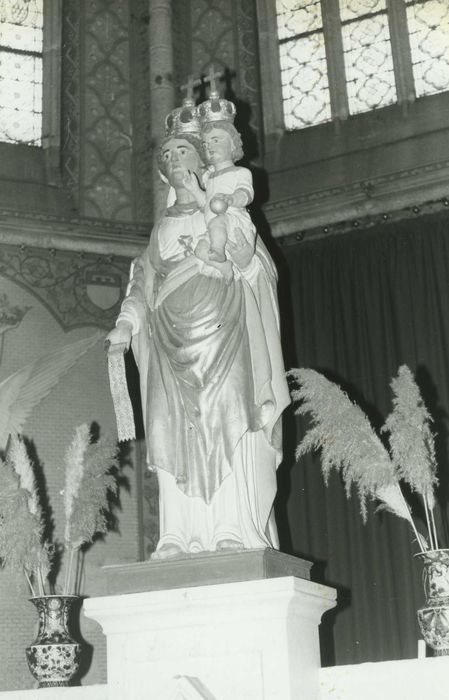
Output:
x=21 y=67
x=342 y=57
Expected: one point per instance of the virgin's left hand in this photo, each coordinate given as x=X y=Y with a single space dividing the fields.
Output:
x=241 y=252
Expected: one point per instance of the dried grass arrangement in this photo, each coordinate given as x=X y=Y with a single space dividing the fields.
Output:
x=89 y=479
x=22 y=548
x=348 y=443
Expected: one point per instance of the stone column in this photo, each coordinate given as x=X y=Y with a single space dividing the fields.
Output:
x=161 y=87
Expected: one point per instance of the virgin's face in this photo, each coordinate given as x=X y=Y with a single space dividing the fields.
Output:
x=179 y=156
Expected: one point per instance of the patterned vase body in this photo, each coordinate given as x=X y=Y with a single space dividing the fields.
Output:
x=54 y=657
x=434 y=618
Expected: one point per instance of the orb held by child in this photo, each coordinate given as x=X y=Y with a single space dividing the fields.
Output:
x=218 y=205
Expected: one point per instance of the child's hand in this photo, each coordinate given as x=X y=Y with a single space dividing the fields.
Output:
x=228 y=198
x=239 y=198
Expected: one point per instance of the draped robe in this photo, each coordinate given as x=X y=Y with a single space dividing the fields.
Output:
x=212 y=387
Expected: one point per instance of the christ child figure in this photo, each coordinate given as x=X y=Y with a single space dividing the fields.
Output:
x=229 y=190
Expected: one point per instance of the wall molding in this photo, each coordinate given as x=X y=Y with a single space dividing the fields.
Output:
x=394 y=192
x=77 y=234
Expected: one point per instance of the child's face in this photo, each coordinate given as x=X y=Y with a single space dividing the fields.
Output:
x=218 y=146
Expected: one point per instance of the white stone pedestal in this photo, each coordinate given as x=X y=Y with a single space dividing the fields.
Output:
x=252 y=640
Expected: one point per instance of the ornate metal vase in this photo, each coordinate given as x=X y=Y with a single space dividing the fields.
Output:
x=434 y=618
x=54 y=657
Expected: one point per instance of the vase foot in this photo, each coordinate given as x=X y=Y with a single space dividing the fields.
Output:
x=53 y=684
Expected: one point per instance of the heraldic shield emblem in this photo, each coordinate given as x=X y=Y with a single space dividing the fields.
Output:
x=103 y=288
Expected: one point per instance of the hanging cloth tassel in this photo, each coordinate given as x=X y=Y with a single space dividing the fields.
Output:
x=119 y=390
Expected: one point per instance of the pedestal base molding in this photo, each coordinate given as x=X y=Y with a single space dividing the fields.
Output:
x=250 y=639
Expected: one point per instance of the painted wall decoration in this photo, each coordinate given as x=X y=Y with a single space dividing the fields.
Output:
x=10 y=317
x=78 y=289
x=106 y=140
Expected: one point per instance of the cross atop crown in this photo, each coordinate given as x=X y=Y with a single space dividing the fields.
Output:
x=184 y=119
x=215 y=108
x=188 y=118
x=189 y=88
x=210 y=78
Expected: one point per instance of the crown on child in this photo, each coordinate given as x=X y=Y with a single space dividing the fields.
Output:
x=215 y=108
x=188 y=119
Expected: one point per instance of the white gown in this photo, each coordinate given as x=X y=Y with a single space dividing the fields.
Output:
x=213 y=389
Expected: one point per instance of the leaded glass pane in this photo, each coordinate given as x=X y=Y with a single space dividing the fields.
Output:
x=297 y=17
x=369 y=64
x=20 y=98
x=21 y=23
x=305 y=86
x=352 y=9
x=21 y=34
x=429 y=42
x=21 y=128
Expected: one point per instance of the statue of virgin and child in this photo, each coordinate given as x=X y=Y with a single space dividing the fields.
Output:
x=201 y=315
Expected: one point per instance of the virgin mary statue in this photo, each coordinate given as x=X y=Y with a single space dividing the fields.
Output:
x=212 y=378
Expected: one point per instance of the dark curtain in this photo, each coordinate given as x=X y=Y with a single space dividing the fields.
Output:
x=361 y=305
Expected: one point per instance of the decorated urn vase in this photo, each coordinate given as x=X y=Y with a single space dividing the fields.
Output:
x=434 y=618
x=54 y=657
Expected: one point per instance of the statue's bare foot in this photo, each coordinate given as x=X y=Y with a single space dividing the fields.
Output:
x=217 y=255
x=166 y=551
x=226 y=270
x=228 y=544
x=202 y=250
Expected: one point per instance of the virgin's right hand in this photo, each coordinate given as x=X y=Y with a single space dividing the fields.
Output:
x=120 y=335
x=191 y=183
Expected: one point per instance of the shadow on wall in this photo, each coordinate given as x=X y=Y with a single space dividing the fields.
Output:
x=292 y=358
x=252 y=152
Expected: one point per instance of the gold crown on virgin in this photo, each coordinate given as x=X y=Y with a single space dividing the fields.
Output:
x=188 y=119
x=184 y=119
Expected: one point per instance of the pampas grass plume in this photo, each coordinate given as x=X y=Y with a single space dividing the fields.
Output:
x=90 y=505
x=18 y=456
x=348 y=443
x=74 y=468
x=21 y=530
x=410 y=436
x=344 y=435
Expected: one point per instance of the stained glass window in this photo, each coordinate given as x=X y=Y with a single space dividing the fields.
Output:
x=303 y=63
x=428 y=24
x=367 y=51
x=21 y=37
x=337 y=57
